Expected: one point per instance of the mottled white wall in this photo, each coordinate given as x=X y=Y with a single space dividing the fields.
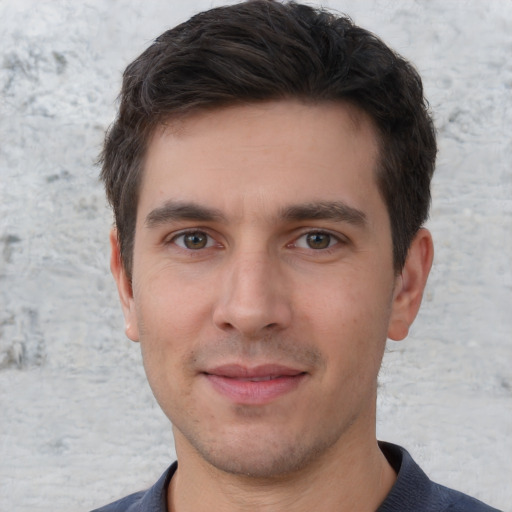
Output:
x=78 y=425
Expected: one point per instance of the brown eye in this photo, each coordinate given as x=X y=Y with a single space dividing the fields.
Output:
x=193 y=240
x=318 y=240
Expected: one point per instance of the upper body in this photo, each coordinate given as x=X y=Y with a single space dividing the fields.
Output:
x=412 y=492
x=270 y=174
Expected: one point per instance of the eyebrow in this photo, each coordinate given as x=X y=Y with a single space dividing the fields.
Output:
x=172 y=211
x=325 y=210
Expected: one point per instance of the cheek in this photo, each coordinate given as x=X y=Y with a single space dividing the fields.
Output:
x=170 y=303
x=350 y=322
x=168 y=328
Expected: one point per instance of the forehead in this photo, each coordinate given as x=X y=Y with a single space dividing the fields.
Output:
x=259 y=158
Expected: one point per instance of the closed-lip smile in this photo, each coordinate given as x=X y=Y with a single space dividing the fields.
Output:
x=256 y=385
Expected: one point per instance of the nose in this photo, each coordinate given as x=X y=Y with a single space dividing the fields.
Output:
x=253 y=298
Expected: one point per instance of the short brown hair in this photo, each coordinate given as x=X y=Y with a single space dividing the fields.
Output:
x=263 y=50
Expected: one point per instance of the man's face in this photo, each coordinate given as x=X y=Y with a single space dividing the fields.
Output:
x=263 y=286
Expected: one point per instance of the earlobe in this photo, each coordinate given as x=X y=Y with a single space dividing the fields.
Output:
x=410 y=285
x=124 y=287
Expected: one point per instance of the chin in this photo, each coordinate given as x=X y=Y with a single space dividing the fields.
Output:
x=263 y=457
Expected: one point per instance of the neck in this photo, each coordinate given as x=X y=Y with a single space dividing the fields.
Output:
x=358 y=477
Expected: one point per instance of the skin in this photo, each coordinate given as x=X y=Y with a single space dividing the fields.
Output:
x=269 y=275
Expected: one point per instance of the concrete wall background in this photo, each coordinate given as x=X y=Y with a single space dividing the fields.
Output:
x=78 y=424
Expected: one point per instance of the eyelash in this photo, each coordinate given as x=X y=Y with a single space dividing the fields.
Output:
x=334 y=240
x=209 y=243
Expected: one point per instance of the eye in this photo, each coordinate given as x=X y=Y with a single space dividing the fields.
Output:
x=193 y=240
x=316 y=240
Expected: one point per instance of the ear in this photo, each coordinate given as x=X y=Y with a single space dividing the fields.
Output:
x=124 y=287
x=410 y=284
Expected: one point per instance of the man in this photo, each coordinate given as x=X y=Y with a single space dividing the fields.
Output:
x=269 y=172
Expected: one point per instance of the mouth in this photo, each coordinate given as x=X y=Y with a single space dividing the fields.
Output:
x=259 y=379
x=254 y=385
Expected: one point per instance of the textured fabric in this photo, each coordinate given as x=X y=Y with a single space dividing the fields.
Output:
x=412 y=492
x=152 y=500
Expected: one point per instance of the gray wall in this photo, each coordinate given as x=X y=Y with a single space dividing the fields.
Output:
x=78 y=425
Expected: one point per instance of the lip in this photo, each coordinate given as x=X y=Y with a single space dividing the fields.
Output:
x=257 y=385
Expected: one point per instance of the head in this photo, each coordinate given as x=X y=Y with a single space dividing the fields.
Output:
x=263 y=50
x=269 y=172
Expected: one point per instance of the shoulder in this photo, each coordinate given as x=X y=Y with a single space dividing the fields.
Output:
x=153 y=499
x=129 y=503
x=458 y=502
x=415 y=492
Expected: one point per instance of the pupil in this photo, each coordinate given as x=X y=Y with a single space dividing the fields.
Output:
x=319 y=240
x=195 y=240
